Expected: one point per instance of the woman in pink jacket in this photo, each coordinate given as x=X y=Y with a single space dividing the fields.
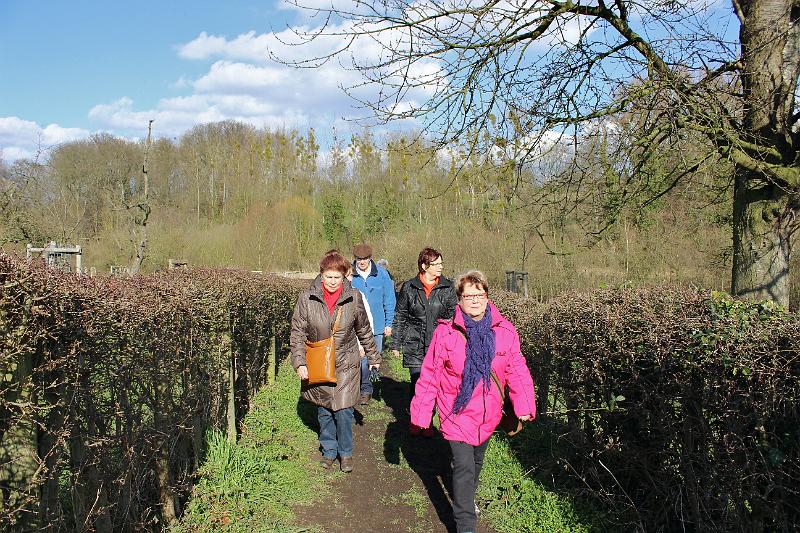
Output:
x=457 y=379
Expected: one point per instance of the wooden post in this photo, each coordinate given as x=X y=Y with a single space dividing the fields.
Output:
x=231 y=371
x=511 y=282
x=522 y=283
x=272 y=362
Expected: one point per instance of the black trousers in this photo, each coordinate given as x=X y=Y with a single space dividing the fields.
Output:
x=467 y=464
x=414 y=373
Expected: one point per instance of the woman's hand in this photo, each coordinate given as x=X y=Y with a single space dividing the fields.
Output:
x=526 y=418
x=302 y=371
x=374 y=366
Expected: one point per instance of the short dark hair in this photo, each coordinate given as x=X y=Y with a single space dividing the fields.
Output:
x=333 y=260
x=473 y=277
x=426 y=257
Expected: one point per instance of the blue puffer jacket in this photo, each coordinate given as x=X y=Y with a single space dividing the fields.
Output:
x=379 y=290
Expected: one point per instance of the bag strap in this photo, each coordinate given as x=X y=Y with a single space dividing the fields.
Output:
x=497 y=382
x=336 y=324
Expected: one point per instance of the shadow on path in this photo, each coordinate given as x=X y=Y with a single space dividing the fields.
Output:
x=382 y=495
x=428 y=457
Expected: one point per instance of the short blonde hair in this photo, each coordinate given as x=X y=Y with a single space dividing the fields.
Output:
x=473 y=277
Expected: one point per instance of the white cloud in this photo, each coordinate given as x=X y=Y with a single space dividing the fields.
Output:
x=247 y=46
x=229 y=77
x=21 y=138
x=12 y=153
x=174 y=116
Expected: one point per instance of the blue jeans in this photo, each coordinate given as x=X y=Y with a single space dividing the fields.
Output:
x=366 y=384
x=335 y=432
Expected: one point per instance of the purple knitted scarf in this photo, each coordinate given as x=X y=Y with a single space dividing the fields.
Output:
x=480 y=352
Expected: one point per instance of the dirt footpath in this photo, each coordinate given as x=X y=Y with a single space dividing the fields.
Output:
x=399 y=483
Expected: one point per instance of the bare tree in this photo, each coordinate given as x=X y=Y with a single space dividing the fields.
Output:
x=722 y=76
x=141 y=209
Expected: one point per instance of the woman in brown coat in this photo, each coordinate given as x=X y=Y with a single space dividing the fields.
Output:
x=313 y=320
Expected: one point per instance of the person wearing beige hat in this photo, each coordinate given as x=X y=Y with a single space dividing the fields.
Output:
x=375 y=284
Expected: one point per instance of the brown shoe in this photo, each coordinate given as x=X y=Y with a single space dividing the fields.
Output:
x=326 y=462
x=347 y=464
x=364 y=399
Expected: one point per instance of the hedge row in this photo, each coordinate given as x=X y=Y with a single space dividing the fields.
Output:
x=677 y=405
x=109 y=385
x=677 y=408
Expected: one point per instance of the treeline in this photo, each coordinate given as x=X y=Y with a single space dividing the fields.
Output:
x=108 y=387
x=228 y=194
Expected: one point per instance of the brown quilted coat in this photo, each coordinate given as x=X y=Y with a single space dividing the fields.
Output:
x=311 y=321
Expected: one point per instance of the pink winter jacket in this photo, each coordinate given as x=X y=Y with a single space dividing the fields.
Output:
x=441 y=377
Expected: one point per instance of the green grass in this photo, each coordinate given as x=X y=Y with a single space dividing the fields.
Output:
x=415 y=499
x=394 y=366
x=511 y=501
x=251 y=486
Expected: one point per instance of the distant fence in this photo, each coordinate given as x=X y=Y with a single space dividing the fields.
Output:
x=108 y=386
x=676 y=404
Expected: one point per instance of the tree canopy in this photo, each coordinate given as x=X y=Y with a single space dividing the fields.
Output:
x=653 y=76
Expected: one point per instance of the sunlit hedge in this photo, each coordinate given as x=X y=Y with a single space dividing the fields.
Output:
x=676 y=407
x=110 y=384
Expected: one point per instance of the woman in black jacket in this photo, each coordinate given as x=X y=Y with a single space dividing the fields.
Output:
x=422 y=301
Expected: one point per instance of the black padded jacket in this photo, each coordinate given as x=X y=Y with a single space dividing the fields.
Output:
x=416 y=317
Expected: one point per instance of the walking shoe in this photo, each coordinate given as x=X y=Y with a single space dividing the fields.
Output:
x=364 y=399
x=326 y=462
x=346 y=463
x=477 y=510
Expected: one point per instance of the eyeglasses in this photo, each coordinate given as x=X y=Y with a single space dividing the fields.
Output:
x=473 y=297
x=440 y=263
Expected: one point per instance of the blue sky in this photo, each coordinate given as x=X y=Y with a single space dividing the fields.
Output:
x=72 y=68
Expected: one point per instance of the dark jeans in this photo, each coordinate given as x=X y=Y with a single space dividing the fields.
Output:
x=335 y=432
x=414 y=372
x=366 y=384
x=467 y=464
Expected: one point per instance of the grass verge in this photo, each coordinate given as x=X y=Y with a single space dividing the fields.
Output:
x=512 y=501
x=251 y=486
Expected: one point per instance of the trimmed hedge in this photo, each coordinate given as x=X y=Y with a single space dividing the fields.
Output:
x=109 y=386
x=673 y=408
x=676 y=407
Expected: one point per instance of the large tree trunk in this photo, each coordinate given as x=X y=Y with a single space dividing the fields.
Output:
x=763 y=206
x=761 y=244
